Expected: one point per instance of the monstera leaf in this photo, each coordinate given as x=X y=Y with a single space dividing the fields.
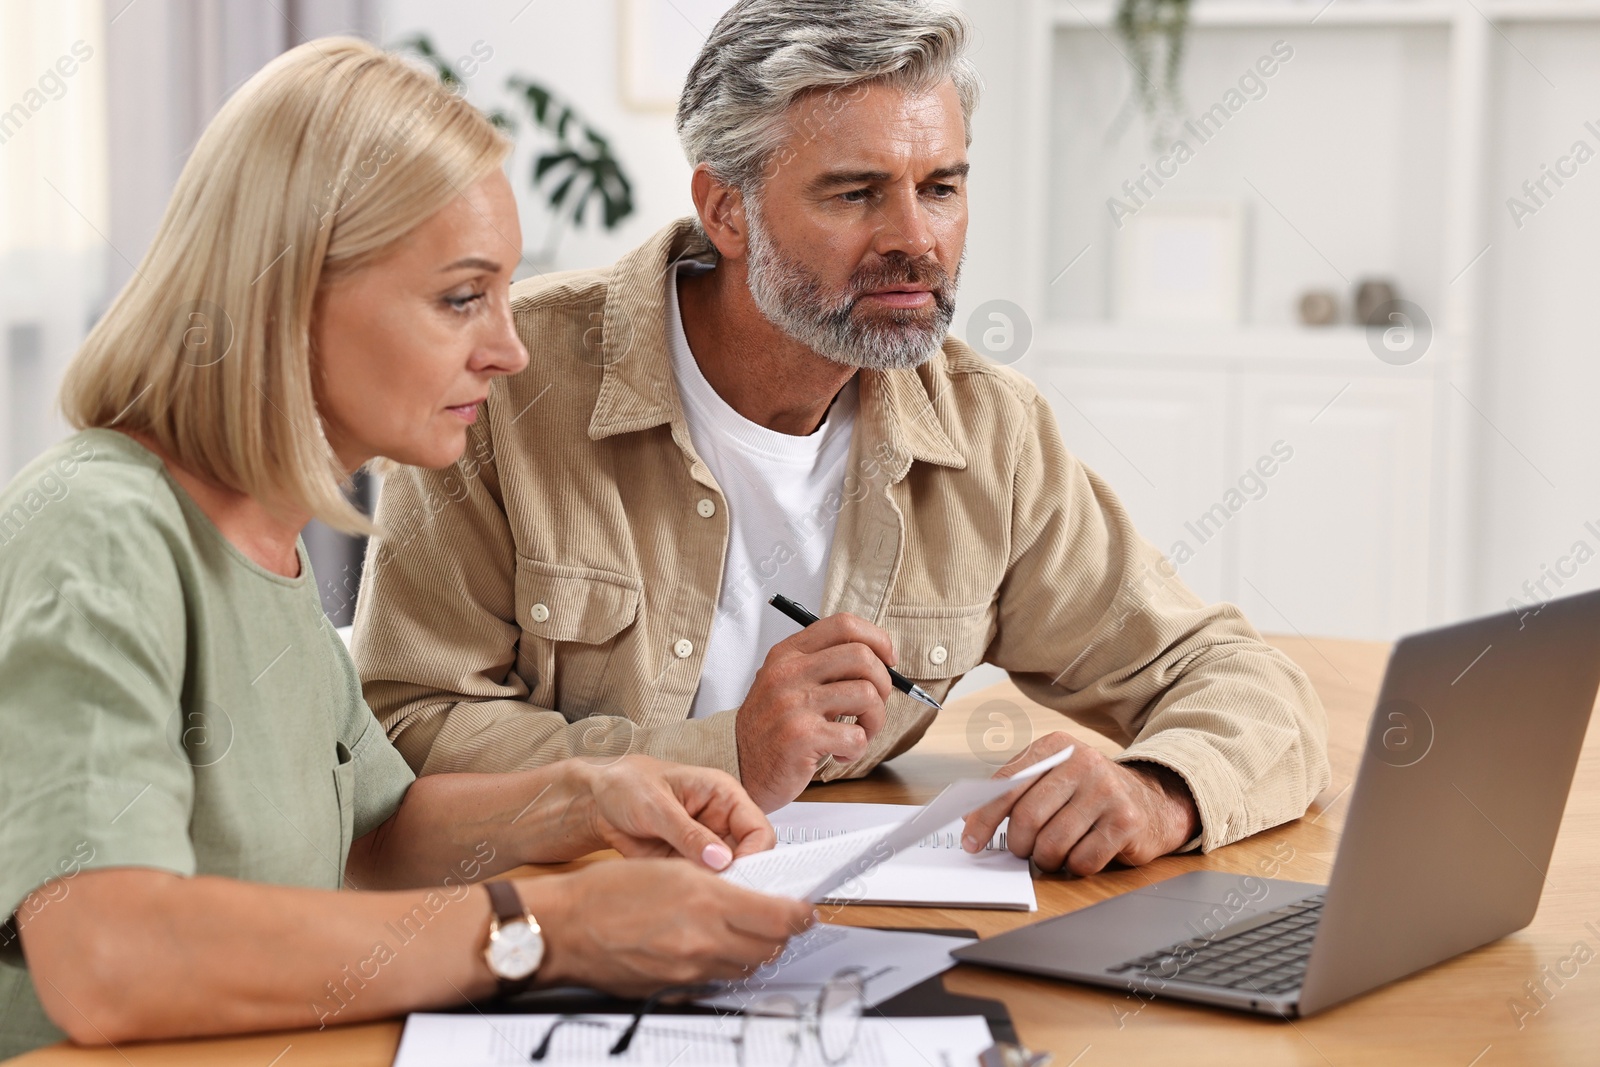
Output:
x=576 y=165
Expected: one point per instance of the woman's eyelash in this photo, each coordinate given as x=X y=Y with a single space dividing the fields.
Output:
x=462 y=303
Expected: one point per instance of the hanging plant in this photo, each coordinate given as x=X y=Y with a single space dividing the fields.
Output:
x=1153 y=31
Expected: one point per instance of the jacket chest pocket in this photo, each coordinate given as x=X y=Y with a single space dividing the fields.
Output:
x=571 y=619
x=939 y=643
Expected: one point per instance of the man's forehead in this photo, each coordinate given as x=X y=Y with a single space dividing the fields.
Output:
x=863 y=127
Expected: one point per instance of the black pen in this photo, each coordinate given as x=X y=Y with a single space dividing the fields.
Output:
x=805 y=617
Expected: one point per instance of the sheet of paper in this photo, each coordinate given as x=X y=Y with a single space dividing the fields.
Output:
x=894 y=961
x=473 y=1040
x=845 y=859
x=937 y=872
x=792 y=872
x=805 y=821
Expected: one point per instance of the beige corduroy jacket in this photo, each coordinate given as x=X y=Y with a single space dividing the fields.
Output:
x=551 y=595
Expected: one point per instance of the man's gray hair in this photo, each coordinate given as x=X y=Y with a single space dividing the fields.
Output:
x=763 y=55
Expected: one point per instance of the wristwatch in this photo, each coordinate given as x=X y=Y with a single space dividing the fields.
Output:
x=516 y=946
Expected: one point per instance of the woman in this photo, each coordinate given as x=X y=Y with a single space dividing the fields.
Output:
x=187 y=769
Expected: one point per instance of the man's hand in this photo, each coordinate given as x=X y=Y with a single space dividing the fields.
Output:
x=631 y=928
x=1087 y=812
x=650 y=807
x=789 y=722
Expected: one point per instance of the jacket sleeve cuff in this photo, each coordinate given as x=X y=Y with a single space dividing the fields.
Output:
x=1211 y=782
x=708 y=742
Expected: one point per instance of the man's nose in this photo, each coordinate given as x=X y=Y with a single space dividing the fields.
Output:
x=903 y=226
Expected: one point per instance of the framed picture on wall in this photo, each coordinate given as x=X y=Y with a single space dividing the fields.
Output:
x=660 y=39
x=1181 y=262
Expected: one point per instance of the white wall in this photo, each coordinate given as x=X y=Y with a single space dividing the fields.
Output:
x=572 y=48
x=1540 y=388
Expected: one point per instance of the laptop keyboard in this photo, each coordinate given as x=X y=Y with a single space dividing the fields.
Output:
x=1266 y=953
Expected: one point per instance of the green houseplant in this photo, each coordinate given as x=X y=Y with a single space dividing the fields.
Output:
x=575 y=166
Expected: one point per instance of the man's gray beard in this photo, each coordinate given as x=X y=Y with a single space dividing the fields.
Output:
x=795 y=302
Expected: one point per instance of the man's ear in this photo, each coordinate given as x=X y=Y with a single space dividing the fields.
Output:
x=721 y=210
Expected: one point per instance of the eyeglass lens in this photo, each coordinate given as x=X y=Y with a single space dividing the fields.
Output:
x=839 y=1009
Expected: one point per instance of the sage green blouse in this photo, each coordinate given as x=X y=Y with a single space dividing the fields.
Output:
x=164 y=702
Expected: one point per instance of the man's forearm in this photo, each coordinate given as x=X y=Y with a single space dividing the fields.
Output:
x=1248 y=737
x=512 y=735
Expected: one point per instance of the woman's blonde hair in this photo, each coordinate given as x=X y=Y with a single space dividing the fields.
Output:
x=315 y=168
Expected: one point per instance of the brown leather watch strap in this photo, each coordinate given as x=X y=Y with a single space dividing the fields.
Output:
x=507 y=905
x=508 y=908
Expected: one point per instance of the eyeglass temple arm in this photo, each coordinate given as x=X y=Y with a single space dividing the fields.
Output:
x=626 y=1039
x=542 y=1050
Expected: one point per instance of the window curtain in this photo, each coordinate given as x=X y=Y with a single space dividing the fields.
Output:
x=53 y=209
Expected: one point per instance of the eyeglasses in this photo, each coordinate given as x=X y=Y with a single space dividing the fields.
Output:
x=773 y=1027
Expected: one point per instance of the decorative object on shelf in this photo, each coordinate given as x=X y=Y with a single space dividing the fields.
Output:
x=1154 y=32
x=1372 y=294
x=1181 y=262
x=1319 y=307
x=576 y=164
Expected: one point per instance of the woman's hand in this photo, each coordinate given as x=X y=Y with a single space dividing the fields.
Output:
x=648 y=807
x=473 y=826
x=632 y=928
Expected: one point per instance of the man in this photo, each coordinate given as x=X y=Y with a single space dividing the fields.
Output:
x=764 y=399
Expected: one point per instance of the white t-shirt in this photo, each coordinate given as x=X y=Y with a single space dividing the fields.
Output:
x=783 y=496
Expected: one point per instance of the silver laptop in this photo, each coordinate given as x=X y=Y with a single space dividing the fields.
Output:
x=1454 y=813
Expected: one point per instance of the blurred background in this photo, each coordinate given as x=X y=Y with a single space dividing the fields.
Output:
x=1309 y=283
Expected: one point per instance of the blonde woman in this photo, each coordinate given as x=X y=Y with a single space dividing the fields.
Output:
x=188 y=773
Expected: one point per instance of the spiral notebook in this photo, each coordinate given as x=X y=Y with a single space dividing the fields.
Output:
x=838 y=866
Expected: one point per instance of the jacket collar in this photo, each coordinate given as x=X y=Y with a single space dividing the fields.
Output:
x=638 y=391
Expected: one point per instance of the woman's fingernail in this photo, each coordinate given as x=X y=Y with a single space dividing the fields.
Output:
x=969 y=843
x=716 y=856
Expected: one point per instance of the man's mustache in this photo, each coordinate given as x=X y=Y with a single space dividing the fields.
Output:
x=900 y=270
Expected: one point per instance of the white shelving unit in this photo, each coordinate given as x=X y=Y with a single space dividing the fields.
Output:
x=1373 y=533
x=1338 y=13
x=1291 y=13
x=1324 y=346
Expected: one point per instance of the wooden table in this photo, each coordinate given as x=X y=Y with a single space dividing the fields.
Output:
x=1460 y=1013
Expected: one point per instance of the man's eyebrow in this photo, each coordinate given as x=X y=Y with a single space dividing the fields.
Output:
x=473 y=262
x=832 y=178
x=835 y=178
x=955 y=170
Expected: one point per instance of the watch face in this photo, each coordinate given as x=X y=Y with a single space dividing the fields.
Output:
x=516 y=950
